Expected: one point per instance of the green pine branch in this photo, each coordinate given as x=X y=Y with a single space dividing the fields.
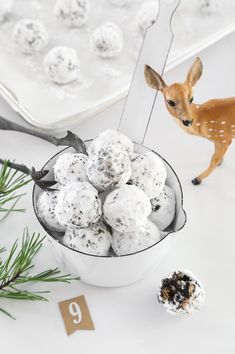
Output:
x=15 y=271
x=10 y=182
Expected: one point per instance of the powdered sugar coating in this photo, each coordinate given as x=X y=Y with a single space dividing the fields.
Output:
x=181 y=302
x=46 y=204
x=137 y=240
x=107 y=40
x=126 y=208
x=70 y=167
x=109 y=168
x=110 y=136
x=30 y=36
x=61 y=65
x=74 y=13
x=5 y=8
x=95 y=240
x=163 y=208
x=147 y=14
x=78 y=205
x=148 y=173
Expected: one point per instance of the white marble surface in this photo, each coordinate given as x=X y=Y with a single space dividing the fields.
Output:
x=129 y=319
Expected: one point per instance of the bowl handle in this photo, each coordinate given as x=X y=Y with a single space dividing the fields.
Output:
x=181 y=220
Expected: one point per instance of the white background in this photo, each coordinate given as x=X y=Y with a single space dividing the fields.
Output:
x=129 y=319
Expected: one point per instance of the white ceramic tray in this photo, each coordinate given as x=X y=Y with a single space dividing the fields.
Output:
x=48 y=106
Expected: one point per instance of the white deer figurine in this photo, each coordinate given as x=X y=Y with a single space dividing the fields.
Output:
x=213 y=120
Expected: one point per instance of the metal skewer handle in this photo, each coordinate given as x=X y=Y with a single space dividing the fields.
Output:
x=140 y=101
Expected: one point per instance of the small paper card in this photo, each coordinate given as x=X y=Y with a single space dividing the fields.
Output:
x=76 y=314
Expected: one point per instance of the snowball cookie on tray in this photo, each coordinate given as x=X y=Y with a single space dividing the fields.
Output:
x=110 y=136
x=46 y=204
x=147 y=15
x=130 y=242
x=74 y=13
x=148 y=173
x=78 y=205
x=126 y=208
x=163 y=208
x=5 y=8
x=109 y=168
x=95 y=240
x=30 y=36
x=61 y=65
x=180 y=292
x=107 y=40
x=70 y=167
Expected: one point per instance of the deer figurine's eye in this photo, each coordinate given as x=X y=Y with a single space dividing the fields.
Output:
x=171 y=103
x=191 y=100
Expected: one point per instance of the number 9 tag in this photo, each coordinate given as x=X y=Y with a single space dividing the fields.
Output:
x=76 y=315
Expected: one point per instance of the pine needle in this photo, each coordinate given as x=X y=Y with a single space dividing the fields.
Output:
x=10 y=182
x=14 y=270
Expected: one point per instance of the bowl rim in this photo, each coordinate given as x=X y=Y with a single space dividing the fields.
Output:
x=110 y=256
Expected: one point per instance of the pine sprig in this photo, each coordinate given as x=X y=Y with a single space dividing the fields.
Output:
x=14 y=271
x=10 y=182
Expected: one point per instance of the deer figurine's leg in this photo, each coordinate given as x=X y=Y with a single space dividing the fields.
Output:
x=216 y=160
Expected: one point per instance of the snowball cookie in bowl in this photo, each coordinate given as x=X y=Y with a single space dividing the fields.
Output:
x=30 y=36
x=78 y=205
x=95 y=240
x=109 y=168
x=147 y=15
x=110 y=136
x=126 y=208
x=74 y=13
x=5 y=8
x=70 y=167
x=148 y=173
x=163 y=208
x=107 y=40
x=46 y=203
x=134 y=241
x=61 y=65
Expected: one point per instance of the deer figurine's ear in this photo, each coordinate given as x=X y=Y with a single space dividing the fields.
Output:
x=153 y=79
x=194 y=72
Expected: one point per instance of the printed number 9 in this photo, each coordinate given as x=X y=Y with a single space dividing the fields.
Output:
x=74 y=310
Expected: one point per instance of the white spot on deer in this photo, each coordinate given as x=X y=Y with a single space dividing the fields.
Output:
x=233 y=125
x=221 y=131
x=224 y=141
x=221 y=135
x=198 y=124
x=222 y=122
x=209 y=136
x=212 y=121
x=197 y=107
x=211 y=130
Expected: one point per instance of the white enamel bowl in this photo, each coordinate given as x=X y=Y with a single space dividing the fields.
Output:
x=114 y=271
